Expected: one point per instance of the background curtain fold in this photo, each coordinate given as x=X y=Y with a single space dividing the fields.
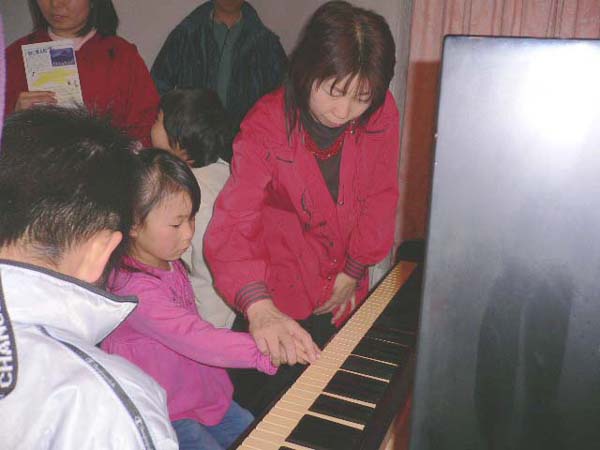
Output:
x=431 y=21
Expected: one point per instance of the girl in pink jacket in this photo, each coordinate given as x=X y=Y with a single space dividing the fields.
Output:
x=164 y=335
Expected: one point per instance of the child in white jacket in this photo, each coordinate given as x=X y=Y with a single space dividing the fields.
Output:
x=65 y=202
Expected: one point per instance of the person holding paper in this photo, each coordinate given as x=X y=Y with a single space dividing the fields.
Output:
x=114 y=79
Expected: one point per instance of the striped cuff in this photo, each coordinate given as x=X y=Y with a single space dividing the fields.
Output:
x=250 y=294
x=354 y=269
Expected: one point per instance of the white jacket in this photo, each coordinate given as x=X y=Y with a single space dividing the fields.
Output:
x=210 y=305
x=69 y=394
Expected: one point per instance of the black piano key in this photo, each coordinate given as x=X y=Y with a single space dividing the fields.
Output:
x=321 y=434
x=381 y=350
x=401 y=307
x=408 y=298
x=397 y=336
x=356 y=387
x=413 y=250
x=395 y=310
x=341 y=409
x=369 y=367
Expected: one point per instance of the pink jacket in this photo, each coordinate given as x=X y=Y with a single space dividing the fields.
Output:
x=276 y=230
x=166 y=338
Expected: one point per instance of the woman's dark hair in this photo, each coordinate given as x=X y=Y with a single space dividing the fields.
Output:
x=339 y=41
x=159 y=174
x=103 y=17
x=195 y=120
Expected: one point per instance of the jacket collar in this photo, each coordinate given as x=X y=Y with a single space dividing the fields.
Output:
x=71 y=307
x=249 y=14
x=42 y=35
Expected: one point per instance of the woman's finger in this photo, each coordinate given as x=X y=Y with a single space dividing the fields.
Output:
x=340 y=312
x=303 y=338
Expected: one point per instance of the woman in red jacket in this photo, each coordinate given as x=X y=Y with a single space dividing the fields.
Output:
x=311 y=200
x=114 y=79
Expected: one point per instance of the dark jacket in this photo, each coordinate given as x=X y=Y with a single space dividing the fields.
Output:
x=189 y=59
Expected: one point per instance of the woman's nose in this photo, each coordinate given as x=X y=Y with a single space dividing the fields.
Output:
x=342 y=108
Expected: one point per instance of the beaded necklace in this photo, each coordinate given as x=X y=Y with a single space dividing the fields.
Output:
x=323 y=153
x=328 y=152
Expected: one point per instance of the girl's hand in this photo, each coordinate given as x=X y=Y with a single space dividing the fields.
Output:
x=28 y=99
x=342 y=297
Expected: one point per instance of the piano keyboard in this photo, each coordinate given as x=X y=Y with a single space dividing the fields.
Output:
x=330 y=404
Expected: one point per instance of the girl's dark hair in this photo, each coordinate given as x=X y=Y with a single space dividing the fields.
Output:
x=159 y=174
x=103 y=17
x=340 y=40
x=195 y=120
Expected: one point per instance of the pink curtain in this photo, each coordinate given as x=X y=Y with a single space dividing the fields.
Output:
x=431 y=20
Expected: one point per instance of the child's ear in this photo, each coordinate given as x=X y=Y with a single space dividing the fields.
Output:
x=135 y=230
x=95 y=253
x=183 y=154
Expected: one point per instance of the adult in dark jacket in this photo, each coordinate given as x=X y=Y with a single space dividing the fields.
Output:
x=222 y=45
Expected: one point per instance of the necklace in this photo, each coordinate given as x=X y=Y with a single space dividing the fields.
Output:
x=328 y=152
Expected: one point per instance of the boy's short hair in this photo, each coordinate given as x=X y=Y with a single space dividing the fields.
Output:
x=195 y=120
x=64 y=176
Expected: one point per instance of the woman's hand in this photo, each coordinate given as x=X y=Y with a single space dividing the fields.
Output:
x=343 y=297
x=280 y=336
x=28 y=99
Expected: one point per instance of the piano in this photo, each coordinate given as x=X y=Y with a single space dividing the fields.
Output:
x=350 y=396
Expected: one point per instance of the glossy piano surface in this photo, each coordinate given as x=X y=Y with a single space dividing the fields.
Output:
x=348 y=398
x=509 y=346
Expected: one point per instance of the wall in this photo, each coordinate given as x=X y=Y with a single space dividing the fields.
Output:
x=16 y=18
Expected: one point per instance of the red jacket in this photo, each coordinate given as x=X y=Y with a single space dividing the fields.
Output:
x=276 y=230
x=113 y=76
